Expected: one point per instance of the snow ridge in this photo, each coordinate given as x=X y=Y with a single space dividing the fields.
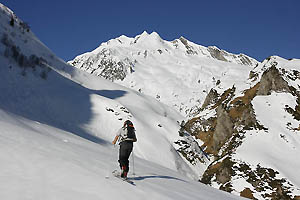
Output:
x=146 y=62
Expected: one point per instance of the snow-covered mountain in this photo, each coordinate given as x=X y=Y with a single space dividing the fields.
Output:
x=243 y=113
x=146 y=63
x=57 y=123
x=252 y=130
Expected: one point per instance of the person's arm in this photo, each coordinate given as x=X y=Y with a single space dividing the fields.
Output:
x=115 y=140
x=118 y=134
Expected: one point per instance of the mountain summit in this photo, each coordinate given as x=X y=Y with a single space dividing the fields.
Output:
x=184 y=68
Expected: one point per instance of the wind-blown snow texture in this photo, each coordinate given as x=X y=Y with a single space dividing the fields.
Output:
x=57 y=123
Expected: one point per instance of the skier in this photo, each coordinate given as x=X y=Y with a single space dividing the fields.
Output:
x=126 y=136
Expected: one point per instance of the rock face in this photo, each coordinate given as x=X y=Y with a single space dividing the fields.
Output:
x=272 y=80
x=223 y=130
x=228 y=118
x=216 y=53
x=189 y=49
x=210 y=98
x=225 y=56
x=105 y=65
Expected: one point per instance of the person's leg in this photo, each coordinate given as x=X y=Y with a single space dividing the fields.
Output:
x=126 y=151
x=122 y=155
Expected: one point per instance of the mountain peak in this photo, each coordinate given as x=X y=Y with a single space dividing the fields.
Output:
x=149 y=40
x=156 y=36
x=145 y=33
x=153 y=35
x=182 y=38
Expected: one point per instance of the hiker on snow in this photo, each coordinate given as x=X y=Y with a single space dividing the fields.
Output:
x=126 y=136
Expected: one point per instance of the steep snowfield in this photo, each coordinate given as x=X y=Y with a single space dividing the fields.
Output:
x=280 y=142
x=42 y=162
x=278 y=147
x=57 y=124
x=95 y=107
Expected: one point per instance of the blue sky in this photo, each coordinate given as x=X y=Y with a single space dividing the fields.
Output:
x=258 y=28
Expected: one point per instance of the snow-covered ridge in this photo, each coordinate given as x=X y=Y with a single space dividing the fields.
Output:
x=146 y=62
x=153 y=43
x=6 y=10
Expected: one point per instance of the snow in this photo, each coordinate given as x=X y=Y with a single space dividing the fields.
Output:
x=240 y=184
x=56 y=133
x=278 y=147
x=181 y=80
x=186 y=78
x=40 y=161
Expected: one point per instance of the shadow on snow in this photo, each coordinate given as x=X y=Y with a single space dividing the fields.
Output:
x=138 y=178
x=56 y=101
x=111 y=94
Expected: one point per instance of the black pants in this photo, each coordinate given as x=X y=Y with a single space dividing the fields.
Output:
x=124 y=153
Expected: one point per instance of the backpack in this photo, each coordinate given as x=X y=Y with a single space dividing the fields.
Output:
x=130 y=133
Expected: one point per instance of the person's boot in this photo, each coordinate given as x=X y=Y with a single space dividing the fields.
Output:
x=124 y=175
x=123 y=172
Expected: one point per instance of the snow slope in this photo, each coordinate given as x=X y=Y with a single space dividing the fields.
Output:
x=42 y=162
x=88 y=107
x=57 y=124
x=277 y=147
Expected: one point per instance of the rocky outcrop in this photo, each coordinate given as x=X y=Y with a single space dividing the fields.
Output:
x=210 y=98
x=189 y=48
x=223 y=130
x=104 y=64
x=263 y=180
x=272 y=80
x=222 y=123
x=216 y=53
x=228 y=57
x=245 y=60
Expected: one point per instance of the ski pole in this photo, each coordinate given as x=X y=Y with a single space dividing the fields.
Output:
x=132 y=160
